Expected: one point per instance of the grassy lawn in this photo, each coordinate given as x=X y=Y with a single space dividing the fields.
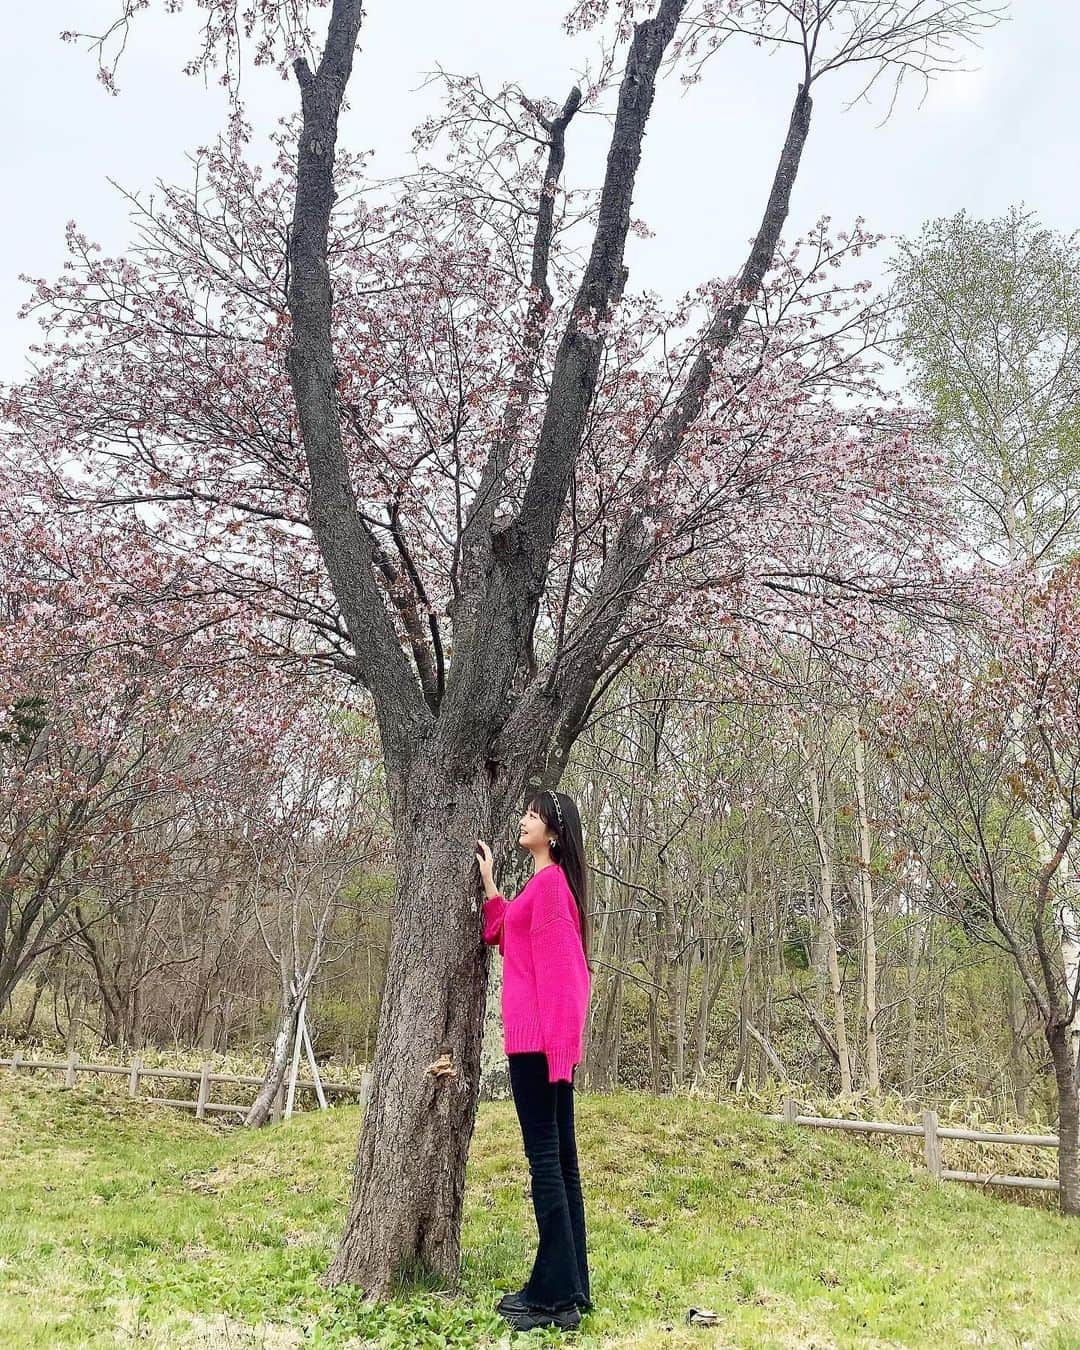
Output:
x=122 y=1223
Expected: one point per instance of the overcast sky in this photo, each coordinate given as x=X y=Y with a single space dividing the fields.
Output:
x=1004 y=133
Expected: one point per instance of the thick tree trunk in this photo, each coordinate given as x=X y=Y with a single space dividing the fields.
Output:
x=208 y=1032
x=405 y=1213
x=494 y=1069
x=598 y=1059
x=1058 y=1038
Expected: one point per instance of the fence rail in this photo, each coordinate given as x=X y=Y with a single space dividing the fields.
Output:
x=932 y=1133
x=206 y=1078
x=930 y=1130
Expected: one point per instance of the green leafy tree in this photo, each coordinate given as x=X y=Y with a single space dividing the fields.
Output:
x=991 y=332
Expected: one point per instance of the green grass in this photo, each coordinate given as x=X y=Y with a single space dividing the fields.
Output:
x=120 y=1223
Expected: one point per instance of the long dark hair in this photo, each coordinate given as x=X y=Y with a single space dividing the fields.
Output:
x=564 y=822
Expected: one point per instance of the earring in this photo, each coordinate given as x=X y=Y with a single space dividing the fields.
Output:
x=552 y=843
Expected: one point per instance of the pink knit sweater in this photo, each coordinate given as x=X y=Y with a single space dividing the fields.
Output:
x=545 y=993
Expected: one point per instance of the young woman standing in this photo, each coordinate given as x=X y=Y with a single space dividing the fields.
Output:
x=542 y=936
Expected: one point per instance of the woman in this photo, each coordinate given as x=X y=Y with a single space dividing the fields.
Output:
x=545 y=997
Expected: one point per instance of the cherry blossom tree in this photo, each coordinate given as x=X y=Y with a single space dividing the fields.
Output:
x=991 y=333
x=129 y=720
x=992 y=744
x=429 y=430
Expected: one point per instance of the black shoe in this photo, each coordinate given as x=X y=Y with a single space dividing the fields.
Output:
x=511 y=1301
x=515 y=1302
x=527 y=1319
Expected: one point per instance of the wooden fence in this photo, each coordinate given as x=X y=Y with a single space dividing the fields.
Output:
x=137 y=1074
x=932 y=1134
x=931 y=1131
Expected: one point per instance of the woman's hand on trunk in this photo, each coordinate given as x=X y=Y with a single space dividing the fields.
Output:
x=486 y=862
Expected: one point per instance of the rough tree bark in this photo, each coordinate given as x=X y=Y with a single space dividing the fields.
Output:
x=1059 y=1039
x=1058 y=1005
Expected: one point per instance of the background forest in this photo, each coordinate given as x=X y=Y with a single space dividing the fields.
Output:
x=814 y=863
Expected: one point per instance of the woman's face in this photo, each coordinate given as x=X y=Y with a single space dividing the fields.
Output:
x=532 y=832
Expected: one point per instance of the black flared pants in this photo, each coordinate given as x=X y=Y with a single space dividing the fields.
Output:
x=560 y=1273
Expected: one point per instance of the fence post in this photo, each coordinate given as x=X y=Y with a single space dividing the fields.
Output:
x=279 y=1098
x=69 y=1076
x=133 y=1077
x=932 y=1143
x=204 y=1093
x=16 y=1060
x=791 y=1111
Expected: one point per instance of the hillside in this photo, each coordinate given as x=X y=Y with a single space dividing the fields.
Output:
x=119 y=1222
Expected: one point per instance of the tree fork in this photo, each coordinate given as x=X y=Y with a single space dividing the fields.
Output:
x=496 y=617
x=405 y=1212
x=574 y=671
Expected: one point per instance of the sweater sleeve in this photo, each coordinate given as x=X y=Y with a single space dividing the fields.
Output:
x=556 y=947
x=494 y=914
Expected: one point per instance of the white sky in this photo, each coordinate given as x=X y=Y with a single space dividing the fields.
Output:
x=1003 y=134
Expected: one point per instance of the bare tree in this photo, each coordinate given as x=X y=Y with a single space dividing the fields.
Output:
x=322 y=831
